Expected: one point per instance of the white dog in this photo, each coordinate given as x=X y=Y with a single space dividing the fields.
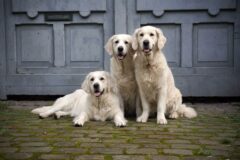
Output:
x=102 y=102
x=62 y=106
x=122 y=68
x=97 y=100
x=154 y=78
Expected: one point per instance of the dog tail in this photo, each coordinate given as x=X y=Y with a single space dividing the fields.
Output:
x=187 y=112
x=40 y=109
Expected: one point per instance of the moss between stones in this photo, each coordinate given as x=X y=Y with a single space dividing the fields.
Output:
x=130 y=140
x=147 y=157
x=202 y=152
x=108 y=157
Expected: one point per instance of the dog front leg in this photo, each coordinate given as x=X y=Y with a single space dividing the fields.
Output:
x=161 y=105
x=80 y=119
x=145 y=108
x=119 y=119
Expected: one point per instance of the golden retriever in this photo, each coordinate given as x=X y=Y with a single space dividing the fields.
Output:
x=120 y=49
x=155 y=80
x=62 y=106
x=99 y=99
x=103 y=101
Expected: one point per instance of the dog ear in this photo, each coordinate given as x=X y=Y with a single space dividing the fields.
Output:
x=109 y=46
x=135 y=39
x=130 y=45
x=85 y=84
x=161 y=39
x=111 y=84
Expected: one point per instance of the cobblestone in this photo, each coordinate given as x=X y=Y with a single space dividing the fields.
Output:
x=214 y=134
x=178 y=151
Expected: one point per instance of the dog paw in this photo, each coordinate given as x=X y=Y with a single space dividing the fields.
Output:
x=43 y=115
x=173 y=115
x=78 y=123
x=121 y=123
x=142 y=119
x=161 y=120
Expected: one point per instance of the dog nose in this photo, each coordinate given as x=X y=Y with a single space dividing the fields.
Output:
x=145 y=42
x=96 y=86
x=120 y=49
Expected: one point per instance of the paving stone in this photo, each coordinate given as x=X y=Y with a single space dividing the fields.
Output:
x=201 y=158
x=141 y=151
x=128 y=157
x=114 y=140
x=29 y=139
x=5 y=144
x=92 y=145
x=178 y=151
x=106 y=150
x=202 y=141
x=86 y=140
x=159 y=145
x=220 y=147
x=34 y=144
x=18 y=156
x=72 y=150
x=185 y=146
x=36 y=149
x=146 y=140
x=162 y=157
x=90 y=157
x=219 y=153
x=177 y=141
x=8 y=150
x=64 y=144
x=5 y=139
x=162 y=136
x=53 y=156
x=122 y=145
x=20 y=134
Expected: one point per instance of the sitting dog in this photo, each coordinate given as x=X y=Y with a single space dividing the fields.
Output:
x=120 y=49
x=155 y=80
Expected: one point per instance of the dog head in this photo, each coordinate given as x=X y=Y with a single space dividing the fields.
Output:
x=98 y=83
x=119 y=46
x=148 y=38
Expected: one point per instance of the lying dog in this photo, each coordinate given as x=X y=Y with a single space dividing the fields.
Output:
x=97 y=100
x=154 y=78
x=102 y=102
x=122 y=68
x=62 y=106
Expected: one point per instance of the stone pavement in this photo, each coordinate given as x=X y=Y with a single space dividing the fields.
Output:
x=214 y=134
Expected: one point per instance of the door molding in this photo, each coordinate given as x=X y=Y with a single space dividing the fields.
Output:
x=2 y=52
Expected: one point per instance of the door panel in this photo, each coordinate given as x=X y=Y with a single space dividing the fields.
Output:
x=213 y=45
x=52 y=45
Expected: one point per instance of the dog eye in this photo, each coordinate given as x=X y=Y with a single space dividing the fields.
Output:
x=141 y=34
x=92 y=79
x=116 y=42
x=151 y=34
x=101 y=78
x=126 y=42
